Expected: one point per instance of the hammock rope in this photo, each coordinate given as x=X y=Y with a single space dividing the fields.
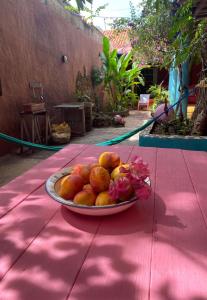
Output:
x=113 y=141
x=11 y=139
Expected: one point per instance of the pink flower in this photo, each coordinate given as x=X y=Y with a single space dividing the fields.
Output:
x=135 y=177
x=137 y=168
x=143 y=192
x=121 y=189
x=140 y=168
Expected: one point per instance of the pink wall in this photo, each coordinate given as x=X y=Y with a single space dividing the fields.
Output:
x=34 y=35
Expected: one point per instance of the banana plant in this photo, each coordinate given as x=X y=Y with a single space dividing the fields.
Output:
x=120 y=76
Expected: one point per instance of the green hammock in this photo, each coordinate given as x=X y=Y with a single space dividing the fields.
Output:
x=113 y=141
x=11 y=139
x=125 y=136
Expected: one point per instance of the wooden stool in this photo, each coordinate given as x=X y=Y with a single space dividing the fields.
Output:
x=32 y=132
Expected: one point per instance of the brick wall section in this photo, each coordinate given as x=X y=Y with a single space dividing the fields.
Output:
x=34 y=34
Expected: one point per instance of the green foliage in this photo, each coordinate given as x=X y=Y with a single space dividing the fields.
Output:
x=93 y=14
x=120 y=76
x=96 y=76
x=174 y=126
x=133 y=11
x=186 y=37
x=164 y=33
x=159 y=94
x=72 y=9
x=80 y=4
x=149 y=30
x=82 y=98
x=120 y=24
x=84 y=89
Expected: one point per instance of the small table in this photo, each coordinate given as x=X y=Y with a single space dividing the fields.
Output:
x=32 y=132
x=73 y=113
x=155 y=250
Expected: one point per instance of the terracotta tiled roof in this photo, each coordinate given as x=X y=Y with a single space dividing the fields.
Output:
x=119 y=40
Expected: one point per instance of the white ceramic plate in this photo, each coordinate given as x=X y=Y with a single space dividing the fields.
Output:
x=51 y=188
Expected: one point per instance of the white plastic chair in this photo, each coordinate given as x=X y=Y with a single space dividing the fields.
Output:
x=144 y=100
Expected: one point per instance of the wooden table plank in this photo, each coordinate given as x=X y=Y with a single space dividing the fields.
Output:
x=48 y=268
x=197 y=167
x=179 y=264
x=118 y=263
x=50 y=253
x=31 y=215
x=22 y=227
x=18 y=189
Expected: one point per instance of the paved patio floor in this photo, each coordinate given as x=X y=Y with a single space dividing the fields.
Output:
x=13 y=165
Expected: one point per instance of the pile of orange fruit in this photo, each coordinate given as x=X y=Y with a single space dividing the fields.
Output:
x=89 y=184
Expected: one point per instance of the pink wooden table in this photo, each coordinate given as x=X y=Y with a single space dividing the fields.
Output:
x=155 y=250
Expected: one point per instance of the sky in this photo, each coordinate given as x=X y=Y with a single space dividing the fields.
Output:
x=115 y=8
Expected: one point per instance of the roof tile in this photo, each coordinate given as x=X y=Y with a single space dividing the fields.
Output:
x=119 y=40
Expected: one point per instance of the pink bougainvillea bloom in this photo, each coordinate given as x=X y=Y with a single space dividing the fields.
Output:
x=136 y=173
x=138 y=168
x=121 y=189
x=134 y=179
x=143 y=192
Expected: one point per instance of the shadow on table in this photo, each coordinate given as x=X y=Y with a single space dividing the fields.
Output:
x=167 y=291
x=139 y=217
x=40 y=273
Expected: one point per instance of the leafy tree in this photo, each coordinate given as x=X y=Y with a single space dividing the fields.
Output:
x=186 y=38
x=148 y=30
x=167 y=32
x=164 y=32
